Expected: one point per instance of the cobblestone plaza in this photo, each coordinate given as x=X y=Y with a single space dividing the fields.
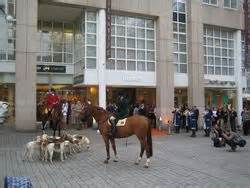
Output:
x=178 y=161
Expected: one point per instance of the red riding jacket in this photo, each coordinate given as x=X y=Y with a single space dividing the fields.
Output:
x=51 y=100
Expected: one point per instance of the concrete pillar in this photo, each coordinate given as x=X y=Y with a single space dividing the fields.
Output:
x=196 y=95
x=164 y=64
x=101 y=59
x=26 y=48
x=238 y=73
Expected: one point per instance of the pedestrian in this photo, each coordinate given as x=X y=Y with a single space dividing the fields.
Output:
x=246 y=121
x=196 y=112
x=73 y=112
x=177 y=121
x=136 y=109
x=207 y=122
x=69 y=112
x=193 y=122
x=232 y=119
x=142 y=110
x=187 y=114
x=225 y=119
x=78 y=109
x=65 y=106
x=219 y=115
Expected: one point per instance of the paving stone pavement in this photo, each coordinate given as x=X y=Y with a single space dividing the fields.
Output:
x=178 y=161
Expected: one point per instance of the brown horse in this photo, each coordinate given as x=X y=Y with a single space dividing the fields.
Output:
x=56 y=119
x=43 y=116
x=135 y=125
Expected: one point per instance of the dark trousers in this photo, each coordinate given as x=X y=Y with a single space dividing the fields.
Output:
x=177 y=129
x=246 y=127
x=233 y=125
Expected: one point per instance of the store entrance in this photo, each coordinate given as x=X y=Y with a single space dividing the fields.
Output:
x=133 y=95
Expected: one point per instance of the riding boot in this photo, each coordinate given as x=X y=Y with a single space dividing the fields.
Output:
x=113 y=127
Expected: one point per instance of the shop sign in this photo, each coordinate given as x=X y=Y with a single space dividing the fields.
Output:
x=51 y=68
x=79 y=79
x=131 y=79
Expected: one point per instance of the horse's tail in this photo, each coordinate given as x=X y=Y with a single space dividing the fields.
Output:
x=149 y=140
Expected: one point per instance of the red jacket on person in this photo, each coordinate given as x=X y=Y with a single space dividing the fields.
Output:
x=51 y=99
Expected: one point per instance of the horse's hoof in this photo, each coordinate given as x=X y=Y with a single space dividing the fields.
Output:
x=106 y=161
x=136 y=163
x=115 y=160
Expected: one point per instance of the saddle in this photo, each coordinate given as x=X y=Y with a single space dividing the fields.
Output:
x=120 y=123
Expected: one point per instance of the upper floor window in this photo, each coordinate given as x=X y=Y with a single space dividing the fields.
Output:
x=231 y=3
x=133 y=44
x=210 y=2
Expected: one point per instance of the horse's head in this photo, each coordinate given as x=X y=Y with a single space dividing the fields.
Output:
x=86 y=113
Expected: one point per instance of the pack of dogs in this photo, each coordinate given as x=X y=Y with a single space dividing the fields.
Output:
x=46 y=146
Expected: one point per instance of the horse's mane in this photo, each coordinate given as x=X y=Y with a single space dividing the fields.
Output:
x=102 y=110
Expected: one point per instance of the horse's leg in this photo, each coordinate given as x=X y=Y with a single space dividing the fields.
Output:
x=142 y=151
x=106 y=140
x=146 y=165
x=114 y=149
x=59 y=129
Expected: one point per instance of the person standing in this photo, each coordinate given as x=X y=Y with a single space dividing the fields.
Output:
x=136 y=109
x=225 y=119
x=219 y=115
x=68 y=112
x=65 y=107
x=207 y=122
x=232 y=119
x=73 y=113
x=193 y=122
x=177 y=121
x=78 y=109
x=196 y=112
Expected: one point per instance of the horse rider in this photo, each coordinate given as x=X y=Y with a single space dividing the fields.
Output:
x=51 y=100
x=122 y=112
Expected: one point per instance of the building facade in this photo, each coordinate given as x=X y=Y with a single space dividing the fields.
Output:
x=162 y=52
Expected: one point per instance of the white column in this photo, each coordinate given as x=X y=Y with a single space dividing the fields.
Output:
x=238 y=74
x=101 y=59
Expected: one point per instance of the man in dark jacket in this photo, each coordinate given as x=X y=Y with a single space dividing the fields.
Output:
x=207 y=122
x=232 y=119
x=122 y=112
x=196 y=112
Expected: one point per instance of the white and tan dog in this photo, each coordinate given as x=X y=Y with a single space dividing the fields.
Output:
x=32 y=147
x=83 y=141
x=52 y=147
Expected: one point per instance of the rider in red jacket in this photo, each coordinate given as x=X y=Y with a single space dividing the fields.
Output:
x=51 y=99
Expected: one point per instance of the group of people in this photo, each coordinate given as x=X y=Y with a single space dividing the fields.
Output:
x=221 y=122
x=186 y=118
x=70 y=109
